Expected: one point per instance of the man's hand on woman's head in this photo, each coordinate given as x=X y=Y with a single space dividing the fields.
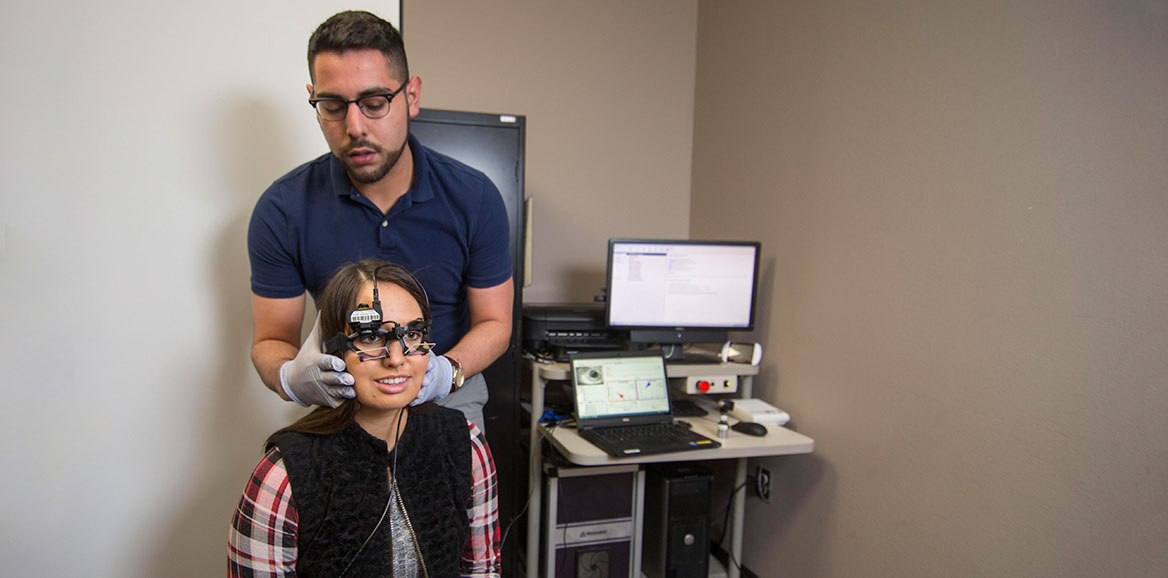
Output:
x=314 y=377
x=436 y=384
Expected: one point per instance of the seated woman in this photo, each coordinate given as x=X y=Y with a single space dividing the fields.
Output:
x=374 y=487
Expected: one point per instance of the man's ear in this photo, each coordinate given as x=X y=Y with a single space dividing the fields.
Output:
x=414 y=94
x=309 y=87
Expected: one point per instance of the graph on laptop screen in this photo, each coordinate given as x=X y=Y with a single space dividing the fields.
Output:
x=681 y=291
x=620 y=386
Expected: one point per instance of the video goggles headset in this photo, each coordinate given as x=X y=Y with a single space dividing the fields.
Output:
x=370 y=340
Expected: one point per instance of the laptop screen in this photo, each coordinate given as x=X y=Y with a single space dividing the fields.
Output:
x=610 y=388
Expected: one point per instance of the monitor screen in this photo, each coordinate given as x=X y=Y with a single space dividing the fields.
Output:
x=682 y=286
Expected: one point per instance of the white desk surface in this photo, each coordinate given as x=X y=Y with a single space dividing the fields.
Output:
x=779 y=441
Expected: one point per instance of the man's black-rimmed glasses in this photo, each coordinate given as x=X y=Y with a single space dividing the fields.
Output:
x=373 y=106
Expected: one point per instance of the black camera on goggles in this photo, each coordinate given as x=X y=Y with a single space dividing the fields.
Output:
x=371 y=339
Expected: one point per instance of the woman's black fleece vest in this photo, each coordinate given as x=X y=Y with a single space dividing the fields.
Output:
x=340 y=487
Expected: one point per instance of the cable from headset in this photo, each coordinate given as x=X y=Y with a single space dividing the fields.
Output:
x=396 y=437
x=530 y=491
x=388 y=502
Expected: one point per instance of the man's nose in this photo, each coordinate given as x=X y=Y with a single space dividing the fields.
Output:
x=355 y=120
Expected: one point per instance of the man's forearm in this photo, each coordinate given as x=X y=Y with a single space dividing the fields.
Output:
x=481 y=346
x=268 y=356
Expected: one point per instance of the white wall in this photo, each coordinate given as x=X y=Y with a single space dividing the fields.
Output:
x=137 y=137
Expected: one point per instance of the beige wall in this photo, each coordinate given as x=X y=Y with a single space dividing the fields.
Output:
x=607 y=88
x=964 y=216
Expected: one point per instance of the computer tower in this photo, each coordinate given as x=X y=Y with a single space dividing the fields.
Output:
x=592 y=526
x=677 y=521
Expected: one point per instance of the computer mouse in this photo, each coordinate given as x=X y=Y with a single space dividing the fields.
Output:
x=750 y=428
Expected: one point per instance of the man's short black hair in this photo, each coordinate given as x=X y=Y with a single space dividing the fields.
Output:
x=359 y=30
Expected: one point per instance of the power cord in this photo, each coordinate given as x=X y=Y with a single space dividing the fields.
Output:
x=758 y=481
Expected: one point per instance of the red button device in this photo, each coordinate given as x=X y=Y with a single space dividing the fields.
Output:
x=703 y=386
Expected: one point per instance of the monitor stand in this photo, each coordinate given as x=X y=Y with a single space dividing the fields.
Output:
x=673 y=345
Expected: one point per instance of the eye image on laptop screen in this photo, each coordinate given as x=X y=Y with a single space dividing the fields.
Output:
x=591 y=375
x=615 y=386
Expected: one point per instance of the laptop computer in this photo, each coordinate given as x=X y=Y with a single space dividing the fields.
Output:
x=622 y=405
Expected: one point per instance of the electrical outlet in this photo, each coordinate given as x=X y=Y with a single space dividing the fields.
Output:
x=763 y=484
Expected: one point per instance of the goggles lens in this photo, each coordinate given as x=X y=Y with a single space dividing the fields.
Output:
x=375 y=344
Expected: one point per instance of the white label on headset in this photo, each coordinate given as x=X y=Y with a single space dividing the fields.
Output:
x=364 y=316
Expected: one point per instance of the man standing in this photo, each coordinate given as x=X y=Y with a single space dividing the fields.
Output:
x=378 y=193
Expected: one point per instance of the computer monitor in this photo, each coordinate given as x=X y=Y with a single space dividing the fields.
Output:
x=676 y=292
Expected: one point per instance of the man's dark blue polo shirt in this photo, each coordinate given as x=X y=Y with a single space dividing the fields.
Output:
x=450 y=230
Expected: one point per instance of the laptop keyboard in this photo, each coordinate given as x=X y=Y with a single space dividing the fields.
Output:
x=658 y=431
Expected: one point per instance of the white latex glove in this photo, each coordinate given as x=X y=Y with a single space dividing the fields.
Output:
x=314 y=377
x=437 y=381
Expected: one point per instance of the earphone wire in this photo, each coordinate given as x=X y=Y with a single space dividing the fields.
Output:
x=388 y=501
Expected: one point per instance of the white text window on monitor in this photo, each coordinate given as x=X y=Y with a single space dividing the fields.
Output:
x=662 y=285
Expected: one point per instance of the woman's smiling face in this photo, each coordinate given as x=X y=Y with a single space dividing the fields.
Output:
x=392 y=382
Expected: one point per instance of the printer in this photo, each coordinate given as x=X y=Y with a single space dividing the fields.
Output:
x=558 y=330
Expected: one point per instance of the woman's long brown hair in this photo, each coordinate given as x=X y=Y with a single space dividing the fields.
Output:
x=338 y=298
